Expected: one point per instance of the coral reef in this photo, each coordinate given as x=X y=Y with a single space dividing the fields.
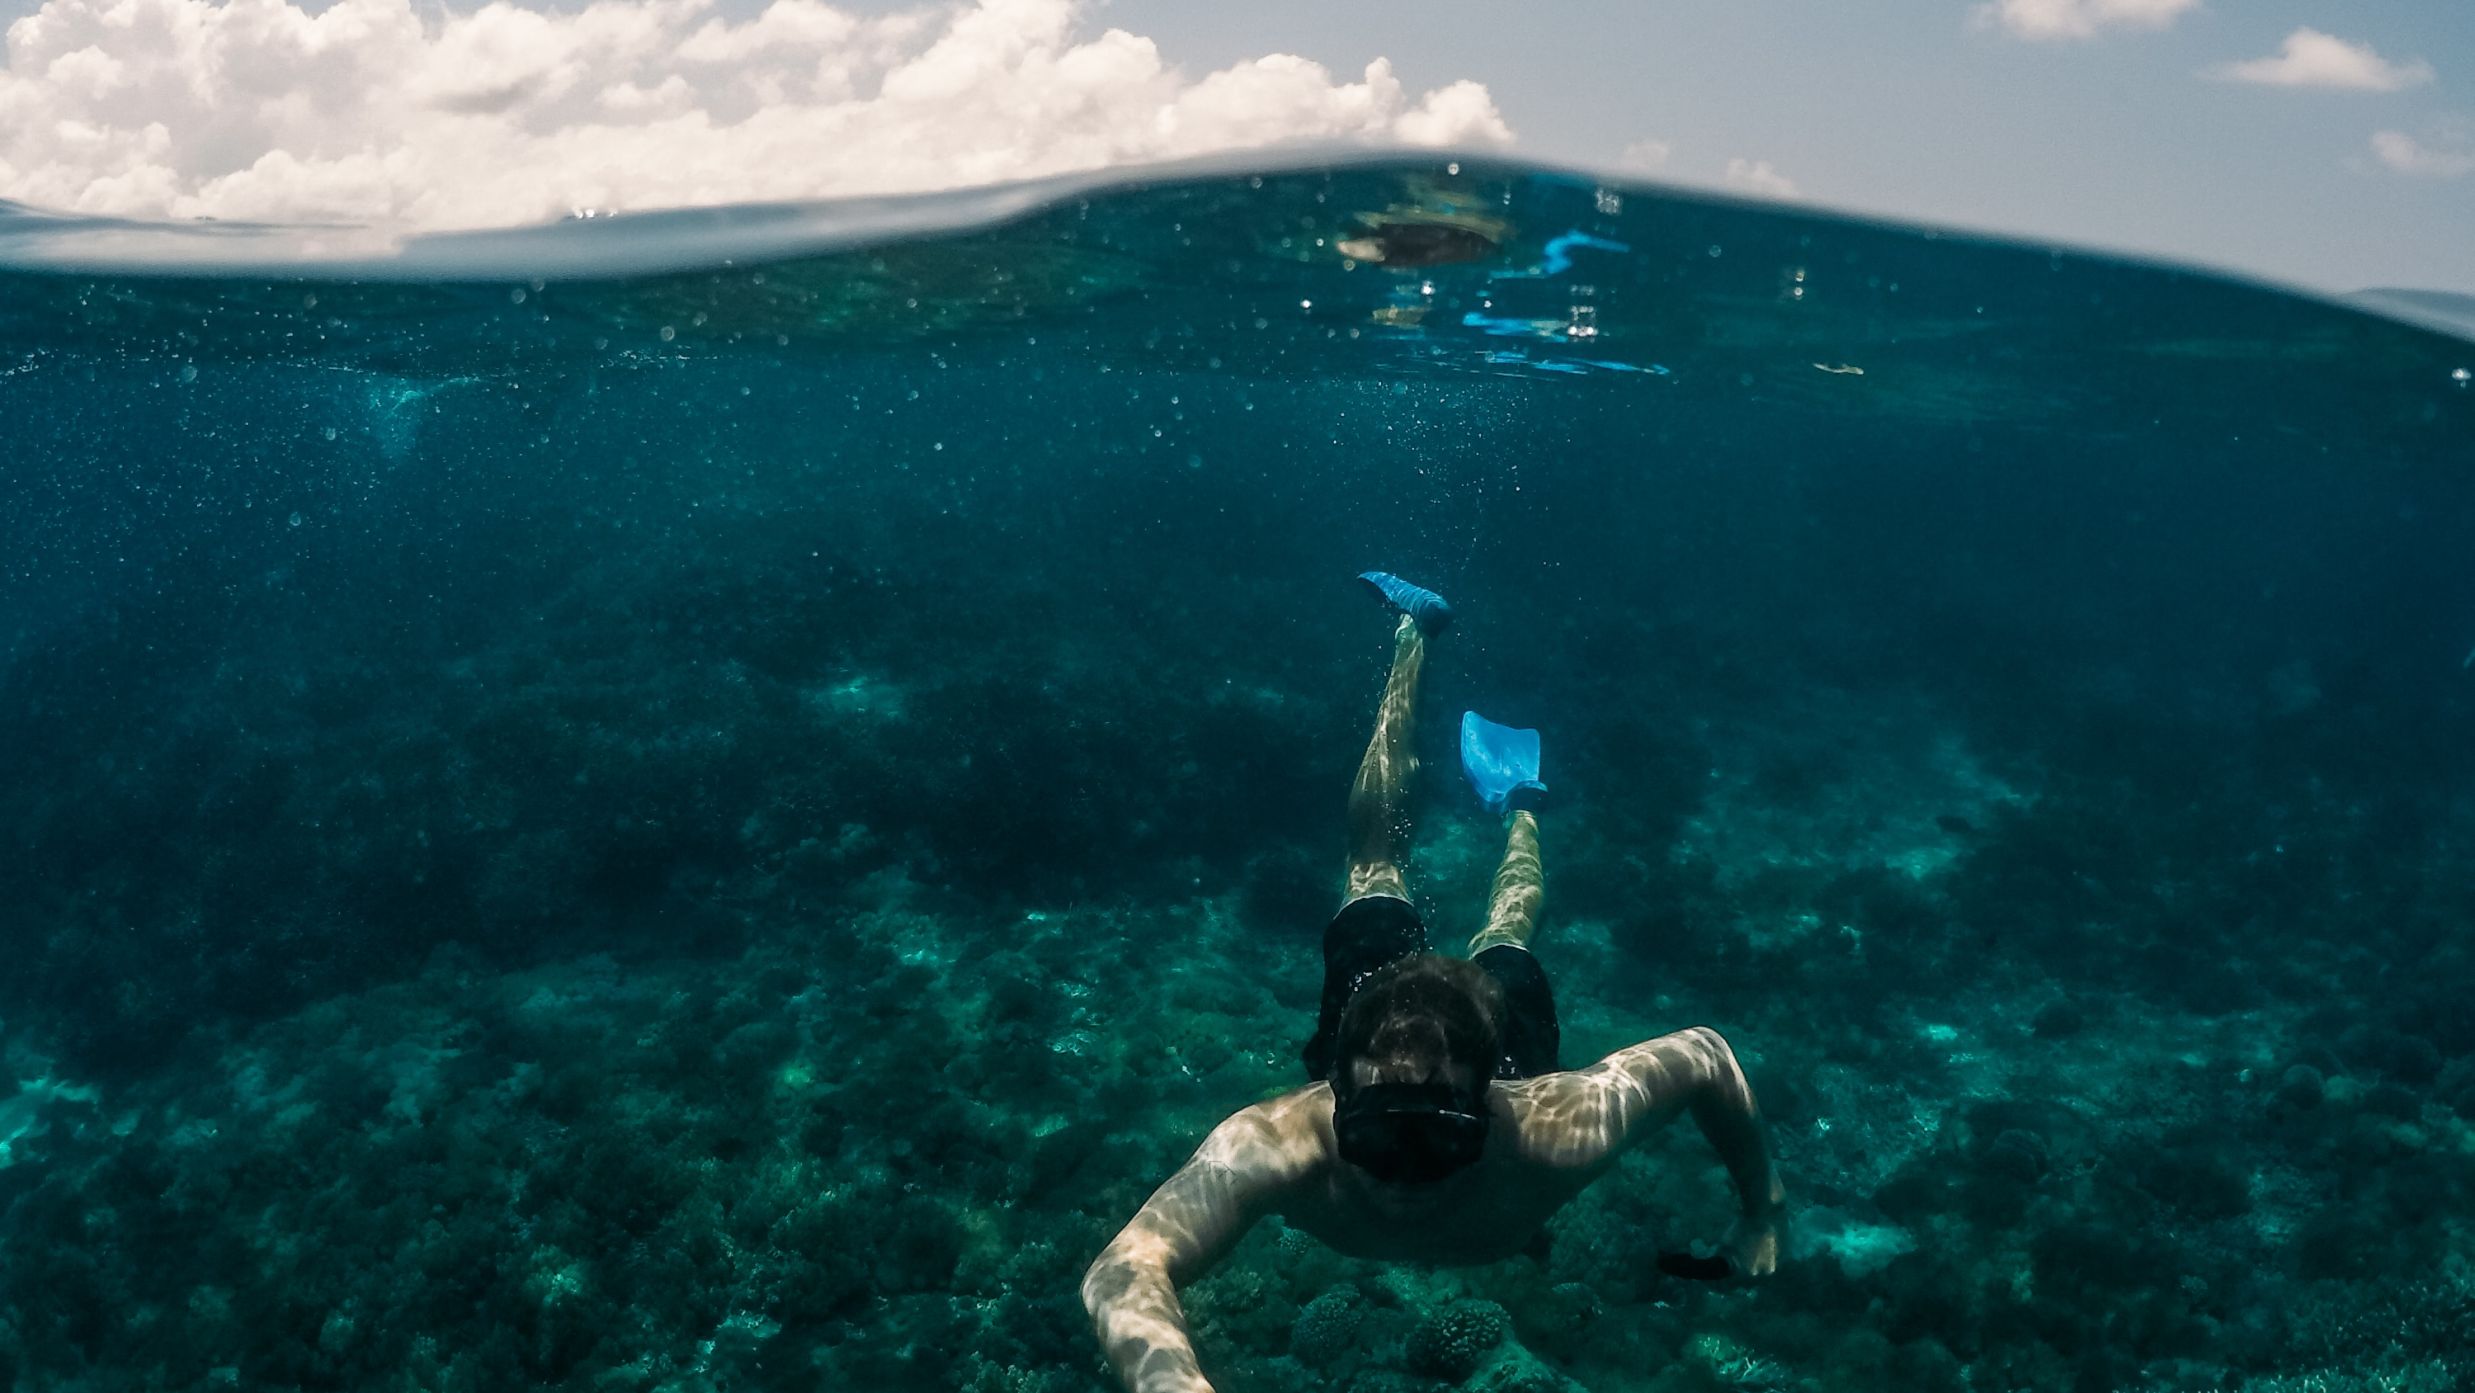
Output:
x=1450 y=1343
x=1327 y=1328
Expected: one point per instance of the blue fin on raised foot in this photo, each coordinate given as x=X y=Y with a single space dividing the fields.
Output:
x=1502 y=764
x=1426 y=608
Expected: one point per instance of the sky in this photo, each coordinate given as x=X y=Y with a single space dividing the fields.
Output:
x=2326 y=143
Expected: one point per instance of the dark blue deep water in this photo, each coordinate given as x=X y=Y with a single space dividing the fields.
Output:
x=720 y=828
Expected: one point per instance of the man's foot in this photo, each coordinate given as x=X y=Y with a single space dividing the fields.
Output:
x=1424 y=607
x=1501 y=764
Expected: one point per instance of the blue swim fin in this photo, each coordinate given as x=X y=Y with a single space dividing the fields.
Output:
x=1422 y=605
x=1502 y=764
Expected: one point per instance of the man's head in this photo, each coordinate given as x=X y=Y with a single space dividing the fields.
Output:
x=1410 y=1063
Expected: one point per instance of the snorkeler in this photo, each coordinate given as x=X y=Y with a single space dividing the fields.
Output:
x=1438 y=1127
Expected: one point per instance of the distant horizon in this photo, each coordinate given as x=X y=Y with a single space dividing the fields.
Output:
x=2296 y=142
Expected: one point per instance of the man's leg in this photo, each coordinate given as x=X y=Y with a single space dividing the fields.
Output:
x=1379 y=800
x=1531 y=1035
x=1520 y=885
x=1376 y=924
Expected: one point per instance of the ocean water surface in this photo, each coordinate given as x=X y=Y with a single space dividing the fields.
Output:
x=708 y=803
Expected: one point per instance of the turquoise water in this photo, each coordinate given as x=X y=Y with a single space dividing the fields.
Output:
x=718 y=823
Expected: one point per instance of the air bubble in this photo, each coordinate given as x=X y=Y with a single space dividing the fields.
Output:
x=294 y=520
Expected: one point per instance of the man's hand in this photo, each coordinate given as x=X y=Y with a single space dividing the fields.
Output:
x=1752 y=1243
x=1748 y=1253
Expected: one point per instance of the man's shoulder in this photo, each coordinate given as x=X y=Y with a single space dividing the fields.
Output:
x=1579 y=1119
x=1548 y=1099
x=1277 y=1139
x=1678 y=1057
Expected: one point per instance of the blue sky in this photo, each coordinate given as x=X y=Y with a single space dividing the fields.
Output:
x=2105 y=122
x=1904 y=107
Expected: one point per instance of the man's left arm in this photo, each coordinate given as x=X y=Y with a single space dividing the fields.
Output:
x=1634 y=1092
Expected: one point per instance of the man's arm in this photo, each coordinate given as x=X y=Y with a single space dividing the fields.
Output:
x=1697 y=1067
x=1634 y=1092
x=1187 y=1225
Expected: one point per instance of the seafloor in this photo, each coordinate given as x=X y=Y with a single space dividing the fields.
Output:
x=829 y=1122
x=740 y=873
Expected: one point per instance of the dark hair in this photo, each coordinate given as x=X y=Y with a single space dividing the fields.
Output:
x=1418 y=1018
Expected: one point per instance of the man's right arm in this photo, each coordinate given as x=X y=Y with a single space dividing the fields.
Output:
x=1187 y=1225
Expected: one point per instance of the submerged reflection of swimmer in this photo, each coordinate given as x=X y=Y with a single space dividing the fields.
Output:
x=1438 y=1127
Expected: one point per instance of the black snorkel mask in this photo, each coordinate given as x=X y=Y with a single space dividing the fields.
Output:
x=1410 y=1133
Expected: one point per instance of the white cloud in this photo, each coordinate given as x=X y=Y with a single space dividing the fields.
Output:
x=366 y=110
x=1757 y=178
x=2407 y=155
x=2077 y=19
x=2310 y=58
x=1645 y=155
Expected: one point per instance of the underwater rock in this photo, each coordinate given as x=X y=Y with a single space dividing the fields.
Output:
x=1560 y=1313
x=1451 y=1343
x=1056 y=1156
x=2387 y=1099
x=2189 y=1177
x=2456 y=1086
x=1729 y=1364
x=2393 y=1055
x=1925 y=1366
x=1517 y=1370
x=2017 y=1156
x=2058 y=1020
x=1860 y=1248
x=2301 y=1086
x=1327 y=1327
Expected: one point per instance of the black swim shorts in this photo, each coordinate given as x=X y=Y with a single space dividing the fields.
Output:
x=1376 y=930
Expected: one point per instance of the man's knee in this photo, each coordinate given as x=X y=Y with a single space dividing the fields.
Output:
x=1373 y=928
x=1369 y=879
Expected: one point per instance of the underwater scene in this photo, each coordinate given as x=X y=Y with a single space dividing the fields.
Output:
x=722 y=823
